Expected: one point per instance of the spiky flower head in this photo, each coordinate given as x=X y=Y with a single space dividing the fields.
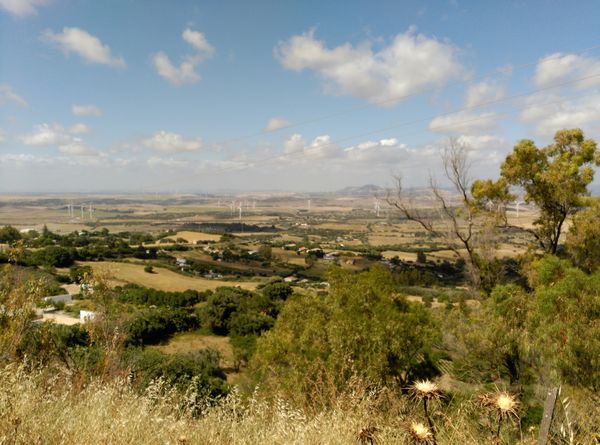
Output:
x=500 y=401
x=425 y=390
x=420 y=433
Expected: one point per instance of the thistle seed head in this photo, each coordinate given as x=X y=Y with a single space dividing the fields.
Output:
x=420 y=433
x=425 y=390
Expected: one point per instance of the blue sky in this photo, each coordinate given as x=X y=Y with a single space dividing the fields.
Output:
x=309 y=95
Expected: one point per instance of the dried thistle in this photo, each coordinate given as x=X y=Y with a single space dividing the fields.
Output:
x=366 y=436
x=426 y=390
x=504 y=404
x=421 y=433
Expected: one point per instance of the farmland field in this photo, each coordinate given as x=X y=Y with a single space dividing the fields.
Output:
x=162 y=279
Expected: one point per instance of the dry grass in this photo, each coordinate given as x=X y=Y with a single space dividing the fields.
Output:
x=162 y=279
x=289 y=256
x=190 y=341
x=192 y=237
x=44 y=408
x=404 y=256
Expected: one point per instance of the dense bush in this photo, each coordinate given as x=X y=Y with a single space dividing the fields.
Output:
x=200 y=368
x=9 y=234
x=51 y=256
x=133 y=293
x=240 y=312
x=152 y=326
x=361 y=329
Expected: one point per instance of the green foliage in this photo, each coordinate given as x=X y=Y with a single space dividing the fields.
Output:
x=265 y=252
x=78 y=273
x=52 y=256
x=555 y=178
x=277 y=291
x=496 y=342
x=583 y=241
x=565 y=322
x=243 y=349
x=133 y=293
x=239 y=312
x=551 y=333
x=45 y=343
x=148 y=269
x=152 y=326
x=8 y=234
x=487 y=192
x=361 y=329
x=199 y=367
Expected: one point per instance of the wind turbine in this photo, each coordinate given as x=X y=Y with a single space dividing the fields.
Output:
x=309 y=205
x=518 y=204
x=91 y=210
x=82 y=207
x=240 y=210
x=377 y=207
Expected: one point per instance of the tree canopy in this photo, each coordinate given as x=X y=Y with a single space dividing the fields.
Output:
x=555 y=178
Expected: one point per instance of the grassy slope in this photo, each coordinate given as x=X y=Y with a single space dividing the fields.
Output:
x=45 y=408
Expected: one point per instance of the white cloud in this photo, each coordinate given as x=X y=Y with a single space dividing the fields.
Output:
x=21 y=8
x=385 y=151
x=295 y=143
x=276 y=123
x=411 y=62
x=296 y=148
x=77 y=148
x=7 y=94
x=2 y=136
x=185 y=73
x=558 y=68
x=22 y=158
x=46 y=134
x=198 y=41
x=79 y=129
x=482 y=142
x=56 y=135
x=389 y=142
x=463 y=122
x=156 y=162
x=86 y=110
x=82 y=43
x=551 y=112
x=483 y=92
x=165 y=142
x=467 y=121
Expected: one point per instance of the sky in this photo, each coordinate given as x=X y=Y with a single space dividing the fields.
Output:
x=201 y=96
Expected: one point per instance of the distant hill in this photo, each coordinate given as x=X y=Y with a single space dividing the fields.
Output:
x=363 y=190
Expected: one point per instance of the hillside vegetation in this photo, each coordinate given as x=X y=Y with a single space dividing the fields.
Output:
x=348 y=349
